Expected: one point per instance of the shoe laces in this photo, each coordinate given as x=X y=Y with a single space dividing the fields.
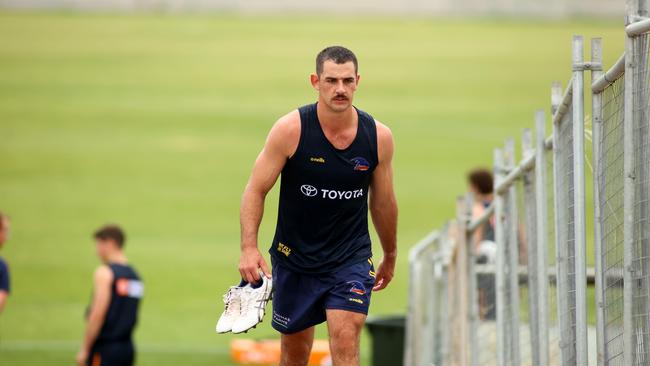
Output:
x=232 y=299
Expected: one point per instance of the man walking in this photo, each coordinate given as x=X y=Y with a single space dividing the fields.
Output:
x=335 y=164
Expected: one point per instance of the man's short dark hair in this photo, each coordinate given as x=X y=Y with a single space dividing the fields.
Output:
x=111 y=232
x=338 y=54
x=482 y=180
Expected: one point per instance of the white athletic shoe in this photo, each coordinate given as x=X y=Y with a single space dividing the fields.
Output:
x=253 y=305
x=232 y=300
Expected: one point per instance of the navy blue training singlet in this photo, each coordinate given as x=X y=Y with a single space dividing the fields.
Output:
x=126 y=292
x=323 y=207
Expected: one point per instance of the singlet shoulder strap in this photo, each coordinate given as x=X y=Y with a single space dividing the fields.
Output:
x=120 y=270
x=306 y=111
x=368 y=126
x=307 y=118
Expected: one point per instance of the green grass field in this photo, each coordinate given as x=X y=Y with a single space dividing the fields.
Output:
x=153 y=122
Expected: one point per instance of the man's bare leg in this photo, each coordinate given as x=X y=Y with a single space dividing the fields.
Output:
x=344 y=329
x=296 y=348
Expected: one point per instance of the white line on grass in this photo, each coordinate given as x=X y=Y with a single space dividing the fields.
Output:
x=67 y=346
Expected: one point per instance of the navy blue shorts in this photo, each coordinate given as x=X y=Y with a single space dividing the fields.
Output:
x=112 y=354
x=300 y=300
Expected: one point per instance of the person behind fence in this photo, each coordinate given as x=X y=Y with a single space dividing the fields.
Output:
x=481 y=185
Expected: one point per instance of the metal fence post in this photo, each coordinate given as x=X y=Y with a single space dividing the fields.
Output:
x=560 y=256
x=437 y=313
x=579 y=201
x=420 y=338
x=499 y=234
x=530 y=208
x=628 y=190
x=513 y=257
x=461 y=270
x=642 y=8
x=433 y=339
x=642 y=195
x=409 y=354
x=444 y=313
x=472 y=296
x=596 y=130
x=542 y=235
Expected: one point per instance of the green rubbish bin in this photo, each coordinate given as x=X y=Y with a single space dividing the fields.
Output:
x=387 y=334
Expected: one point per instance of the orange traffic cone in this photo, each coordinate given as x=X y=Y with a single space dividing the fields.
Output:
x=267 y=352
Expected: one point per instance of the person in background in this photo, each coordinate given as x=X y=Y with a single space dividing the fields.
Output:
x=4 y=268
x=113 y=313
x=481 y=185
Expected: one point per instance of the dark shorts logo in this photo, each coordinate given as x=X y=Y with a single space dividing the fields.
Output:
x=357 y=288
x=309 y=191
x=360 y=164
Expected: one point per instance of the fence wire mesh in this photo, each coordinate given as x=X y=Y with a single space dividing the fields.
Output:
x=610 y=181
x=565 y=236
x=641 y=236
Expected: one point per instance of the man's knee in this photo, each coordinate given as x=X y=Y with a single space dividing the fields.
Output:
x=344 y=345
x=296 y=348
x=345 y=334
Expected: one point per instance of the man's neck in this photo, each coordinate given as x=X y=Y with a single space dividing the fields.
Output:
x=335 y=120
x=484 y=197
x=118 y=258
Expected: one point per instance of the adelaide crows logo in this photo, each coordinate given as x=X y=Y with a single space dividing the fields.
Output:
x=357 y=288
x=360 y=164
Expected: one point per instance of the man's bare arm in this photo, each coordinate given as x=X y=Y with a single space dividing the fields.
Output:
x=383 y=207
x=3 y=300
x=101 y=300
x=280 y=144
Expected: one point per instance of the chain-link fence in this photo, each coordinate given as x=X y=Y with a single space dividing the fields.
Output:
x=520 y=296
x=621 y=195
x=610 y=182
x=565 y=235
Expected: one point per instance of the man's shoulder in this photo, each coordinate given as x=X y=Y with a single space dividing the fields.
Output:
x=289 y=123
x=285 y=133
x=383 y=131
x=104 y=273
x=384 y=142
x=4 y=267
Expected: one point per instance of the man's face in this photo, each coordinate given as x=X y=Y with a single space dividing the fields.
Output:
x=336 y=85
x=473 y=189
x=4 y=231
x=103 y=248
